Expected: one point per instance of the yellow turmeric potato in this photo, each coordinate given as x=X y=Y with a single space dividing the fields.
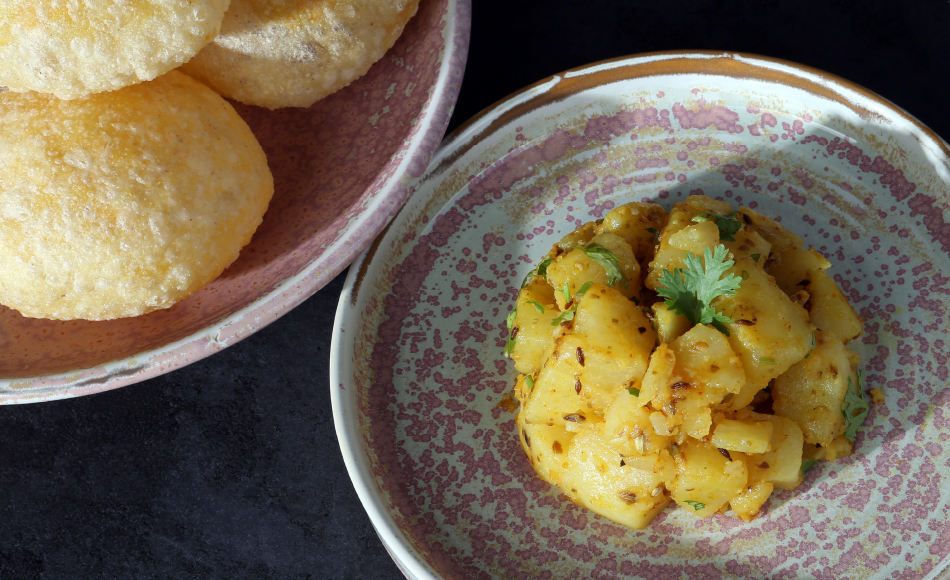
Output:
x=712 y=394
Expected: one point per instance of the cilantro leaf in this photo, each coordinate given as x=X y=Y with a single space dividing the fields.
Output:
x=608 y=260
x=808 y=464
x=767 y=361
x=696 y=505
x=584 y=288
x=565 y=316
x=728 y=224
x=633 y=391
x=656 y=235
x=541 y=270
x=855 y=410
x=690 y=292
x=566 y=292
x=543 y=267
x=529 y=381
x=510 y=346
x=537 y=305
x=755 y=256
x=510 y=320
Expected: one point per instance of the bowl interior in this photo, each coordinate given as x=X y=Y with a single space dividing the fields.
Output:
x=435 y=455
x=331 y=162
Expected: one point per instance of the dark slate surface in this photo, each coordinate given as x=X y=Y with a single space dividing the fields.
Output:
x=230 y=468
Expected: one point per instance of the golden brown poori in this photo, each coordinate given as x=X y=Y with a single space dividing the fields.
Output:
x=121 y=203
x=73 y=48
x=291 y=53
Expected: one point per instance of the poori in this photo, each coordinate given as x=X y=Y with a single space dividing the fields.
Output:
x=74 y=48
x=121 y=203
x=291 y=53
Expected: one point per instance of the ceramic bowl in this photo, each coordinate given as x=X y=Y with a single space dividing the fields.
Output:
x=419 y=375
x=341 y=170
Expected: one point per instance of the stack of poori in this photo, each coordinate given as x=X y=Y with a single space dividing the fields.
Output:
x=126 y=186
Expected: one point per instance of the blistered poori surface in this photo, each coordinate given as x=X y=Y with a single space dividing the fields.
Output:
x=125 y=202
x=70 y=48
x=291 y=53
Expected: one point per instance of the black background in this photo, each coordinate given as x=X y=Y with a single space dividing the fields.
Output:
x=230 y=468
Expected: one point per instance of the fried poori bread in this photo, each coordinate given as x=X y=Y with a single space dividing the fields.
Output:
x=125 y=202
x=73 y=48
x=292 y=53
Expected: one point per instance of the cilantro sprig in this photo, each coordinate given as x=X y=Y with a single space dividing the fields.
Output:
x=855 y=409
x=690 y=292
x=609 y=261
x=696 y=504
x=728 y=224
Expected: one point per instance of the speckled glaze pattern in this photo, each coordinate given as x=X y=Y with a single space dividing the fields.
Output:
x=341 y=169
x=421 y=328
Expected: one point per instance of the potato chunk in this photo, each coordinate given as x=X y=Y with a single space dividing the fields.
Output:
x=545 y=446
x=812 y=391
x=790 y=267
x=555 y=398
x=705 y=478
x=748 y=242
x=693 y=239
x=706 y=371
x=829 y=309
x=575 y=268
x=628 y=491
x=673 y=248
x=779 y=238
x=536 y=308
x=619 y=339
x=633 y=222
x=669 y=324
x=627 y=428
x=782 y=465
x=747 y=504
x=769 y=333
x=747 y=436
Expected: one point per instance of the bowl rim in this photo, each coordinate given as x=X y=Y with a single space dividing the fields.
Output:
x=561 y=86
x=356 y=235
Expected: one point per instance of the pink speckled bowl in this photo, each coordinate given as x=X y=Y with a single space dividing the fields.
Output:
x=341 y=169
x=417 y=363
